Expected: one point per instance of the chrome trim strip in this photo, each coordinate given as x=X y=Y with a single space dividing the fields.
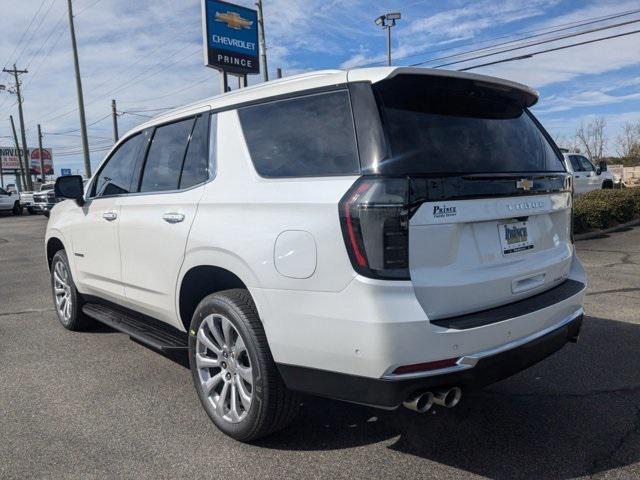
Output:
x=471 y=360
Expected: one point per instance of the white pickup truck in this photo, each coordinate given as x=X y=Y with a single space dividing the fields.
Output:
x=10 y=201
x=586 y=176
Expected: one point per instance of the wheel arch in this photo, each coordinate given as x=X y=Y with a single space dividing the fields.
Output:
x=202 y=280
x=54 y=245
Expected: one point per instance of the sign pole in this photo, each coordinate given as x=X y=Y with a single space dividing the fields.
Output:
x=224 y=85
x=42 y=174
x=1 y=175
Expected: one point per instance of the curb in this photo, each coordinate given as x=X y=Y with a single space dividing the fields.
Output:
x=590 y=235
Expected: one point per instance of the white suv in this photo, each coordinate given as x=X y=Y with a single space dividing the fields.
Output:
x=383 y=236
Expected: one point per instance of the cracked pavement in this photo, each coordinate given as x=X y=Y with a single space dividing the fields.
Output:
x=97 y=405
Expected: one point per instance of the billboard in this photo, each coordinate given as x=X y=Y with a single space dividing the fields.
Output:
x=230 y=37
x=10 y=158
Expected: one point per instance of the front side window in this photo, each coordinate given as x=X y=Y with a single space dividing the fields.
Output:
x=3 y=192
x=450 y=126
x=587 y=165
x=166 y=154
x=115 y=178
x=305 y=136
x=576 y=164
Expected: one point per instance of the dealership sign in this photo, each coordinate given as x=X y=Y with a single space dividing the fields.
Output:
x=11 y=159
x=230 y=37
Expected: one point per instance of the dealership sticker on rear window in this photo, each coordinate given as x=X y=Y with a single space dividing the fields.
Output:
x=514 y=237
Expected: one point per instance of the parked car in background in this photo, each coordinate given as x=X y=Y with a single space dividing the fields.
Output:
x=10 y=201
x=384 y=236
x=586 y=176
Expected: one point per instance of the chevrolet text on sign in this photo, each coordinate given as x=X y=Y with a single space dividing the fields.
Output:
x=231 y=37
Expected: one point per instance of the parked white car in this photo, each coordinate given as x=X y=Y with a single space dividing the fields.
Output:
x=321 y=234
x=586 y=176
x=10 y=201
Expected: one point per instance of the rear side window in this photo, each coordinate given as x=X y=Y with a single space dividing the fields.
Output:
x=445 y=125
x=166 y=154
x=302 y=137
x=115 y=178
x=196 y=168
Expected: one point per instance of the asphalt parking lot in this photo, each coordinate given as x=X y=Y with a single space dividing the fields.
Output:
x=97 y=405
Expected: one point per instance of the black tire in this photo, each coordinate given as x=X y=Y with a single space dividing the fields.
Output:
x=77 y=321
x=46 y=213
x=17 y=209
x=31 y=211
x=273 y=406
x=607 y=184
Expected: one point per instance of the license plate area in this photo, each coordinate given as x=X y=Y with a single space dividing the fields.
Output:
x=514 y=237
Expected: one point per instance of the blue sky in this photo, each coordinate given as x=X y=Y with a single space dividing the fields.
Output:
x=148 y=55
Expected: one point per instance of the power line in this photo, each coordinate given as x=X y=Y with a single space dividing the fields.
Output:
x=563 y=47
x=532 y=44
x=28 y=40
x=567 y=26
x=25 y=32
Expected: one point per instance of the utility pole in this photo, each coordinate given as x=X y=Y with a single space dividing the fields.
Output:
x=263 y=44
x=15 y=139
x=83 y=121
x=25 y=151
x=114 y=115
x=42 y=175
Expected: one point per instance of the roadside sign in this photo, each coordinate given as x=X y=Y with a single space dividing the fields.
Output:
x=230 y=34
x=65 y=172
x=11 y=159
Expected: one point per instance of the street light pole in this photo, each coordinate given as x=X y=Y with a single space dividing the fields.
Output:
x=387 y=22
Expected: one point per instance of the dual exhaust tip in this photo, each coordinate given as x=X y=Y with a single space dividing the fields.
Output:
x=422 y=402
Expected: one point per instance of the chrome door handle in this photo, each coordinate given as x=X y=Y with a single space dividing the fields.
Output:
x=110 y=216
x=173 y=217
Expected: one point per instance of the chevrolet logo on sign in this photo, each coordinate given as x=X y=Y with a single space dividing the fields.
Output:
x=233 y=20
x=524 y=184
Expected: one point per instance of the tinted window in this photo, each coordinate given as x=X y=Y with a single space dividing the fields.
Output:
x=166 y=154
x=575 y=163
x=302 y=137
x=3 y=192
x=115 y=178
x=196 y=167
x=439 y=125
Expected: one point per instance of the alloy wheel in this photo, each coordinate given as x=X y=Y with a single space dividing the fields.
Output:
x=62 y=290
x=224 y=368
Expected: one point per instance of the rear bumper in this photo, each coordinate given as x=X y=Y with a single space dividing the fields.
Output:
x=489 y=367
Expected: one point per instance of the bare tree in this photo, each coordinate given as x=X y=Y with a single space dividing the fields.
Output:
x=592 y=138
x=571 y=143
x=628 y=142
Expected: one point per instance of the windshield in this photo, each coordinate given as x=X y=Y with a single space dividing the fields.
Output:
x=452 y=126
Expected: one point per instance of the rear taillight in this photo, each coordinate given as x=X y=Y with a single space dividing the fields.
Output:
x=374 y=219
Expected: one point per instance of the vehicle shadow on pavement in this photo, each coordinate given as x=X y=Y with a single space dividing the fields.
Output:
x=576 y=413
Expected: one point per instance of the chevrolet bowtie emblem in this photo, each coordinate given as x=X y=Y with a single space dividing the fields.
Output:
x=233 y=20
x=524 y=184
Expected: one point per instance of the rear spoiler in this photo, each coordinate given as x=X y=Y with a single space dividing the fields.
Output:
x=521 y=94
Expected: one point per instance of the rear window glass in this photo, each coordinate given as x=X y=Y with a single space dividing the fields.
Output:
x=302 y=137
x=442 y=126
x=165 y=157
